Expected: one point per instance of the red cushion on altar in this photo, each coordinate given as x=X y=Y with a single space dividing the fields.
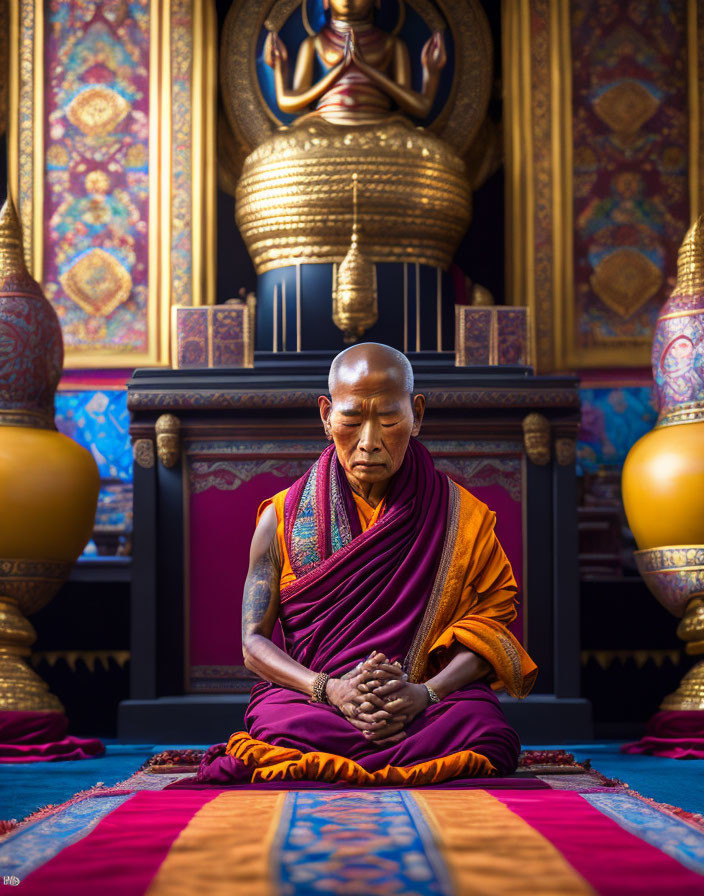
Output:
x=677 y=734
x=41 y=737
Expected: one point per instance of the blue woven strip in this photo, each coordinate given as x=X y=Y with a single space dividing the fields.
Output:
x=330 y=842
x=38 y=842
x=678 y=839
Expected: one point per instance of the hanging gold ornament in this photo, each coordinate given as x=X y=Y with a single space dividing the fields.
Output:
x=354 y=299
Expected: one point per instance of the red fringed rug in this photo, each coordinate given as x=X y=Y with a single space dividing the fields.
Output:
x=141 y=836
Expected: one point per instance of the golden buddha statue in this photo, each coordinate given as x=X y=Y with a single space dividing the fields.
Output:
x=366 y=70
x=349 y=108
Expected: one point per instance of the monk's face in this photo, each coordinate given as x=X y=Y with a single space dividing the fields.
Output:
x=371 y=419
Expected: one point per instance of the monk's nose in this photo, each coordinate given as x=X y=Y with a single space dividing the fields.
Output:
x=369 y=438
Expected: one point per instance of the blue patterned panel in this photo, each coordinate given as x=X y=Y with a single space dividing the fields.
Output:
x=612 y=422
x=99 y=420
x=32 y=846
x=678 y=839
x=332 y=842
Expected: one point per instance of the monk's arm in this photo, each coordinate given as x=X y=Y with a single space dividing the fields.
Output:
x=464 y=668
x=260 y=609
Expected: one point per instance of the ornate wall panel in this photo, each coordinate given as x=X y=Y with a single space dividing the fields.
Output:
x=604 y=168
x=109 y=166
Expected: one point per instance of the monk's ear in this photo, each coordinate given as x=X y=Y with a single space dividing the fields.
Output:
x=325 y=406
x=418 y=411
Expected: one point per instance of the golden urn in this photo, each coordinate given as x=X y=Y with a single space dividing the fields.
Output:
x=663 y=477
x=48 y=483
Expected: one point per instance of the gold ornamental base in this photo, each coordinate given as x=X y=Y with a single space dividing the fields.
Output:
x=295 y=202
x=21 y=689
x=675 y=575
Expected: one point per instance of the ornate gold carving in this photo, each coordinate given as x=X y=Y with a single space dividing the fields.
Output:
x=565 y=451
x=690 y=261
x=291 y=198
x=690 y=693
x=354 y=297
x=97 y=110
x=143 y=453
x=32 y=583
x=626 y=107
x=690 y=412
x=32 y=419
x=482 y=297
x=97 y=282
x=21 y=689
x=12 y=263
x=625 y=280
x=168 y=442
x=675 y=576
x=536 y=438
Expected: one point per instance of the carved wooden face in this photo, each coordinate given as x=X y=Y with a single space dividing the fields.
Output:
x=350 y=10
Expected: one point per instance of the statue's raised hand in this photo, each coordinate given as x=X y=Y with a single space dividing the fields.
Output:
x=275 y=50
x=433 y=56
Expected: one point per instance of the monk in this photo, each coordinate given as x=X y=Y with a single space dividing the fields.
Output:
x=394 y=597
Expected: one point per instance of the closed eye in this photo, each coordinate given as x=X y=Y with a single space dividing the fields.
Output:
x=387 y=425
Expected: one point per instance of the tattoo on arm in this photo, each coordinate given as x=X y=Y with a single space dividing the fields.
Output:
x=261 y=585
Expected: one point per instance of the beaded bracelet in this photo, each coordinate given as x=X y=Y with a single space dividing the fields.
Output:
x=319 y=688
x=432 y=696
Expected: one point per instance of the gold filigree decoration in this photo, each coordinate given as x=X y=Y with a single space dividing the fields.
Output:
x=97 y=111
x=97 y=282
x=143 y=453
x=536 y=438
x=354 y=298
x=12 y=262
x=32 y=583
x=690 y=261
x=293 y=206
x=625 y=280
x=626 y=107
x=168 y=441
x=21 y=689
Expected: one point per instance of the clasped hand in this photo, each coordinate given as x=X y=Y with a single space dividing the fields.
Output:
x=377 y=699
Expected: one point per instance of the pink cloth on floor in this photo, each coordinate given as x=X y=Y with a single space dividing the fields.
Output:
x=41 y=737
x=677 y=734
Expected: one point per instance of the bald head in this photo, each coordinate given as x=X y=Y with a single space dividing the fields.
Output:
x=359 y=361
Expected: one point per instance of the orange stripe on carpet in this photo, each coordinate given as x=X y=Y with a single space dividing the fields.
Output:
x=224 y=849
x=490 y=851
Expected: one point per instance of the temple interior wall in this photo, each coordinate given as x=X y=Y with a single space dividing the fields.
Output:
x=599 y=175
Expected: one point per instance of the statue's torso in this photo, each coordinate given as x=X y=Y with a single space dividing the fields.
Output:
x=354 y=98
